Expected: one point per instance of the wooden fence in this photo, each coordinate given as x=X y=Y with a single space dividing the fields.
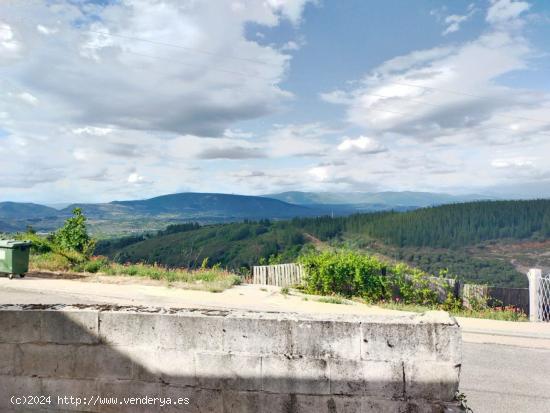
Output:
x=281 y=275
x=496 y=296
x=285 y=275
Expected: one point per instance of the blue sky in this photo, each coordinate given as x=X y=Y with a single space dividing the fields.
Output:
x=136 y=98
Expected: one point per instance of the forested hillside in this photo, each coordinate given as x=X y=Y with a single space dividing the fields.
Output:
x=430 y=238
x=232 y=245
x=443 y=226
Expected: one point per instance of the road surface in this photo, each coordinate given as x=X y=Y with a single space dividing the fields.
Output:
x=506 y=365
x=500 y=378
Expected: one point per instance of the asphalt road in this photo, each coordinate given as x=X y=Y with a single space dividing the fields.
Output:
x=506 y=365
x=506 y=379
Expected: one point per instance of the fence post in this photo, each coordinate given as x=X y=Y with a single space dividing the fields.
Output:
x=534 y=275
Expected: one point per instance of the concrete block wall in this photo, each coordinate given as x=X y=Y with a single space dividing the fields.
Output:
x=229 y=361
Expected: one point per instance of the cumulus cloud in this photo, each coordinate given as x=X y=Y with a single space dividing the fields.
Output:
x=512 y=162
x=148 y=97
x=319 y=173
x=45 y=30
x=447 y=100
x=135 y=178
x=362 y=144
x=503 y=11
x=152 y=65
x=92 y=130
x=9 y=46
x=298 y=140
x=430 y=94
x=134 y=92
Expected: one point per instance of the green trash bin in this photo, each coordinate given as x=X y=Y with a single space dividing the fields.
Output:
x=14 y=257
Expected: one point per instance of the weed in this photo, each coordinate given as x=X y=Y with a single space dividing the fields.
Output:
x=333 y=299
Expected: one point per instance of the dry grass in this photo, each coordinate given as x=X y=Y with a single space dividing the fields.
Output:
x=208 y=279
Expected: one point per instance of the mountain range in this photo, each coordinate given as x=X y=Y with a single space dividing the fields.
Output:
x=157 y=212
x=382 y=200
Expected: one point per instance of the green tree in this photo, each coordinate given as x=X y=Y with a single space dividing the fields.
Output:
x=74 y=235
x=546 y=225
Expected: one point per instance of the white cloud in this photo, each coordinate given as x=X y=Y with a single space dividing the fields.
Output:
x=153 y=66
x=135 y=178
x=80 y=154
x=445 y=112
x=362 y=144
x=148 y=102
x=28 y=98
x=173 y=97
x=92 y=130
x=290 y=45
x=46 y=30
x=512 y=162
x=298 y=140
x=9 y=46
x=237 y=134
x=291 y=9
x=319 y=173
x=436 y=93
x=504 y=11
x=454 y=21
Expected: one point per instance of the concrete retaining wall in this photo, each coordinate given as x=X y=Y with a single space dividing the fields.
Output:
x=228 y=361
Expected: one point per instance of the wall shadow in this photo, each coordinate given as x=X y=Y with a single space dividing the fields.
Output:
x=217 y=362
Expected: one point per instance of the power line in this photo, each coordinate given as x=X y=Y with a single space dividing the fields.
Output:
x=190 y=49
x=454 y=92
x=185 y=63
x=484 y=127
x=439 y=106
x=197 y=66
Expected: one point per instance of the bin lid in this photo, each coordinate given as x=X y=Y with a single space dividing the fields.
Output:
x=13 y=243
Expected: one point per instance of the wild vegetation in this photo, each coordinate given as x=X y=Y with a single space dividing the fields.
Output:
x=71 y=249
x=431 y=239
x=350 y=275
x=335 y=273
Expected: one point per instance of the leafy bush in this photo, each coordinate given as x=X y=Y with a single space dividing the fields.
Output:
x=73 y=236
x=412 y=285
x=345 y=273
x=349 y=274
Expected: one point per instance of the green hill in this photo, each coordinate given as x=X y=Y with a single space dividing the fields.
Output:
x=24 y=210
x=196 y=206
x=154 y=213
x=421 y=237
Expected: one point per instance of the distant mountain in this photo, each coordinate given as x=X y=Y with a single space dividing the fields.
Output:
x=375 y=200
x=192 y=206
x=21 y=210
x=155 y=213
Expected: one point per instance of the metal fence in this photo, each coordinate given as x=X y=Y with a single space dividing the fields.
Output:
x=543 y=298
x=281 y=275
x=285 y=275
x=539 y=295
